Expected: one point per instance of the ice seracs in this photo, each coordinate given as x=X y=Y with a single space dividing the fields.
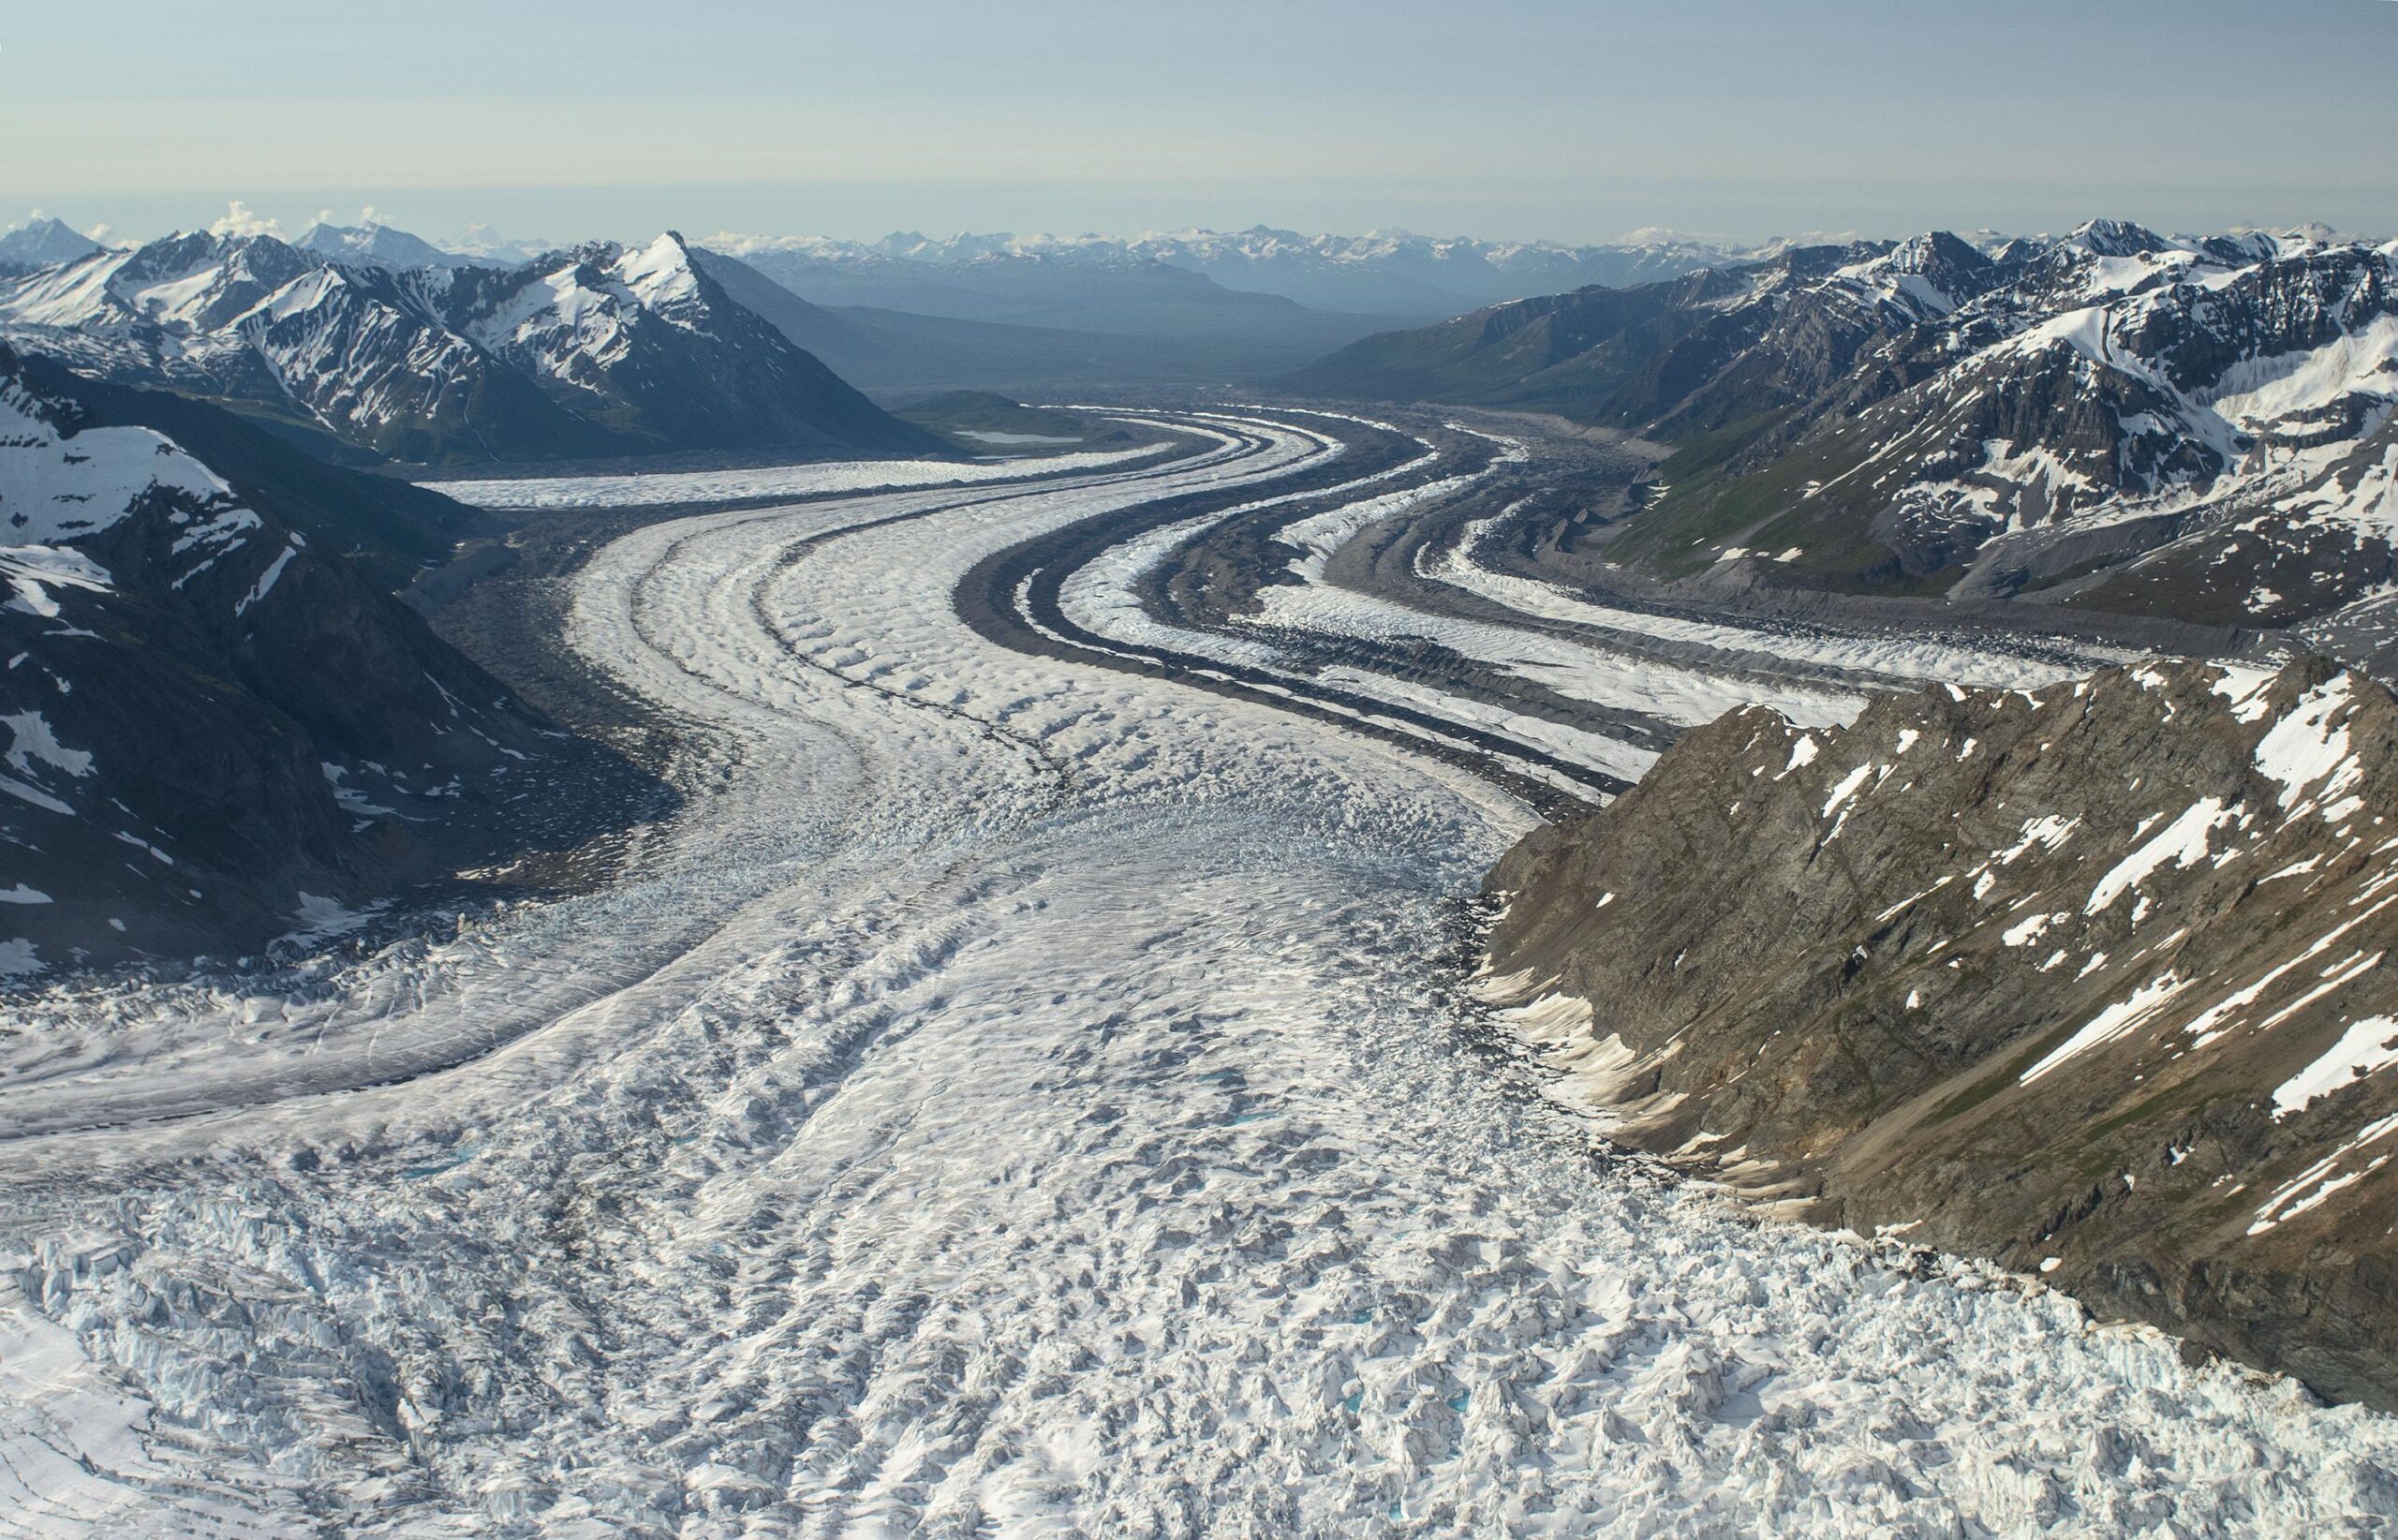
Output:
x=1016 y=1096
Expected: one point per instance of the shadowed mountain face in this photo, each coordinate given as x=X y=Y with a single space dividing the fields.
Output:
x=601 y=351
x=2085 y=981
x=220 y=728
x=2113 y=420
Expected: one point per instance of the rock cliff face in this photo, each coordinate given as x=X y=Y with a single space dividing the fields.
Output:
x=216 y=728
x=2087 y=981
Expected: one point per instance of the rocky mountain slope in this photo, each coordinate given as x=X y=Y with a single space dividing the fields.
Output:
x=2087 y=981
x=597 y=351
x=2113 y=419
x=220 y=729
x=1698 y=349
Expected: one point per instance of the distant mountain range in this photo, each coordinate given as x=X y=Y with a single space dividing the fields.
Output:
x=2112 y=419
x=1007 y=278
x=419 y=376
x=601 y=351
x=1197 y=306
x=219 y=725
x=1120 y=294
x=901 y=354
x=383 y=246
x=903 y=315
x=1017 y=278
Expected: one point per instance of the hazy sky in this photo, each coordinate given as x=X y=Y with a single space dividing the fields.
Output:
x=1492 y=117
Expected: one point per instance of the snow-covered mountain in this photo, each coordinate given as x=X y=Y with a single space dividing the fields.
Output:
x=2229 y=405
x=2112 y=419
x=42 y=242
x=383 y=246
x=603 y=350
x=1388 y=273
x=219 y=729
x=481 y=241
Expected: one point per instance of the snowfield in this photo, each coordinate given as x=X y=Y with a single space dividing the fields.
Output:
x=1014 y=1098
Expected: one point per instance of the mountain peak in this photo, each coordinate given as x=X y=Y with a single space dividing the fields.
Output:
x=43 y=241
x=660 y=275
x=377 y=244
x=2116 y=238
x=1935 y=251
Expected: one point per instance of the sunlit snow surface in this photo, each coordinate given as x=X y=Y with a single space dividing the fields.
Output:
x=1015 y=1099
x=653 y=490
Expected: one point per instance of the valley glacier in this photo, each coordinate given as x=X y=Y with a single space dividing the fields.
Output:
x=1013 y=1097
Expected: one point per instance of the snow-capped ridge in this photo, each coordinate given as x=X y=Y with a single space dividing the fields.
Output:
x=61 y=482
x=595 y=349
x=381 y=245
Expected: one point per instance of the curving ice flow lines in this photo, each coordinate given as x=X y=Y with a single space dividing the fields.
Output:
x=728 y=647
x=1551 y=694
x=1021 y=1092
x=1597 y=712
x=1015 y=598
x=572 y=973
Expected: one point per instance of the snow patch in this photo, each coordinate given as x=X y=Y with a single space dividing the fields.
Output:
x=2367 y=1047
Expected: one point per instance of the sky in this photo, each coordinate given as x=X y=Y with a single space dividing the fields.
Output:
x=1515 y=119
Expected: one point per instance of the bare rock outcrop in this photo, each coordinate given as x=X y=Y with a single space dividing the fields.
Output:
x=2086 y=980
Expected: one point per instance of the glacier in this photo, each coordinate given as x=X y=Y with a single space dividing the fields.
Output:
x=1013 y=1097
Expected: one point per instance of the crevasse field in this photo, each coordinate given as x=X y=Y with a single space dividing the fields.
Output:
x=1013 y=1097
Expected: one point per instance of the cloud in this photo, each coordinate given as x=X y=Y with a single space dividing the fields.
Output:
x=240 y=220
x=103 y=234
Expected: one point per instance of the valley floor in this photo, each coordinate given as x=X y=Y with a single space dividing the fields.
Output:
x=1027 y=1090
